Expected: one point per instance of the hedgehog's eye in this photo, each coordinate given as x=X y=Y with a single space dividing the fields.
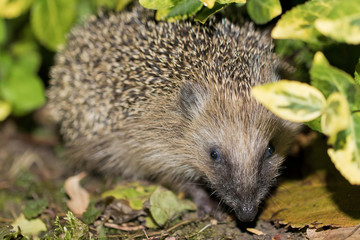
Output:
x=215 y=155
x=269 y=150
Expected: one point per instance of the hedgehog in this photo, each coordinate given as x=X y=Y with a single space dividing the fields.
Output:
x=171 y=103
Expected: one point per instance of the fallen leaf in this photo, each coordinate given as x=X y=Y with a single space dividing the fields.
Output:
x=314 y=203
x=255 y=231
x=135 y=193
x=120 y=212
x=29 y=227
x=350 y=233
x=164 y=205
x=79 y=197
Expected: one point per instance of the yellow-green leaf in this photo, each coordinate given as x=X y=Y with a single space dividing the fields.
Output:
x=291 y=100
x=32 y=227
x=158 y=4
x=342 y=23
x=5 y=110
x=329 y=79
x=121 y=4
x=346 y=160
x=135 y=193
x=209 y=3
x=262 y=11
x=298 y=23
x=336 y=116
x=231 y=1
x=14 y=8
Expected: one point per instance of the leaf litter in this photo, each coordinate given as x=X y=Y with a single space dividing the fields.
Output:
x=118 y=209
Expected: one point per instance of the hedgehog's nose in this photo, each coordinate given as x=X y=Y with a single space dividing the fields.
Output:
x=246 y=212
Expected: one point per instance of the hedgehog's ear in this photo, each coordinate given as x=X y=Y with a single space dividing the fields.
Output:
x=192 y=98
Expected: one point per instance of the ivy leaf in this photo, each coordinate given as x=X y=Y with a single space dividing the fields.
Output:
x=262 y=11
x=342 y=23
x=291 y=100
x=298 y=23
x=51 y=20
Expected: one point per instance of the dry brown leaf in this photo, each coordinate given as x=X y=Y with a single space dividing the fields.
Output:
x=255 y=231
x=314 y=202
x=79 y=197
x=351 y=233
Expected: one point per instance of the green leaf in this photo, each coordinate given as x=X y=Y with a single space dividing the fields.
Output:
x=336 y=116
x=239 y=2
x=32 y=227
x=205 y=13
x=51 y=20
x=164 y=205
x=291 y=100
x=262 y=11
x=182 y=9
x=342 y=23
x=25 y=91
x=91 y=214
x=34 y=208
x=14 y=8
x=346 y=151
x=121 y=4
x=315 y=124
x=158 y=4
x=357 y=73
x=6 y=63
x=329 y=79
x=2 y=31
x=135 y=193
x=298 y=23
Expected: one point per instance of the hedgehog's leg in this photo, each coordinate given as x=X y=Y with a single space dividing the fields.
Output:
x=205 y=205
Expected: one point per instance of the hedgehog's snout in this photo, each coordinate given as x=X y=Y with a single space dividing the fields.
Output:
x=246 y=212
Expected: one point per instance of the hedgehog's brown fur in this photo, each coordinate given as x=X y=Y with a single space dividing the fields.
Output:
x=150 y=100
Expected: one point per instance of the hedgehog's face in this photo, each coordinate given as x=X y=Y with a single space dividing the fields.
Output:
x=240 y=147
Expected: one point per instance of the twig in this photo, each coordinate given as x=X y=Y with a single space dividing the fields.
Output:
x=145 y=234
x=167 y=231
x=123 y=228
x=209 y=225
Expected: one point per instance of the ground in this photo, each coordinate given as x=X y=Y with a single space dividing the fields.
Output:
x=33 y=171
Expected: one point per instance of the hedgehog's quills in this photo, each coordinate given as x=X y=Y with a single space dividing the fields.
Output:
x=171 y=102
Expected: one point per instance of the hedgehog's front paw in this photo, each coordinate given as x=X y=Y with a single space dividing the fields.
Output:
x=205 y=205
